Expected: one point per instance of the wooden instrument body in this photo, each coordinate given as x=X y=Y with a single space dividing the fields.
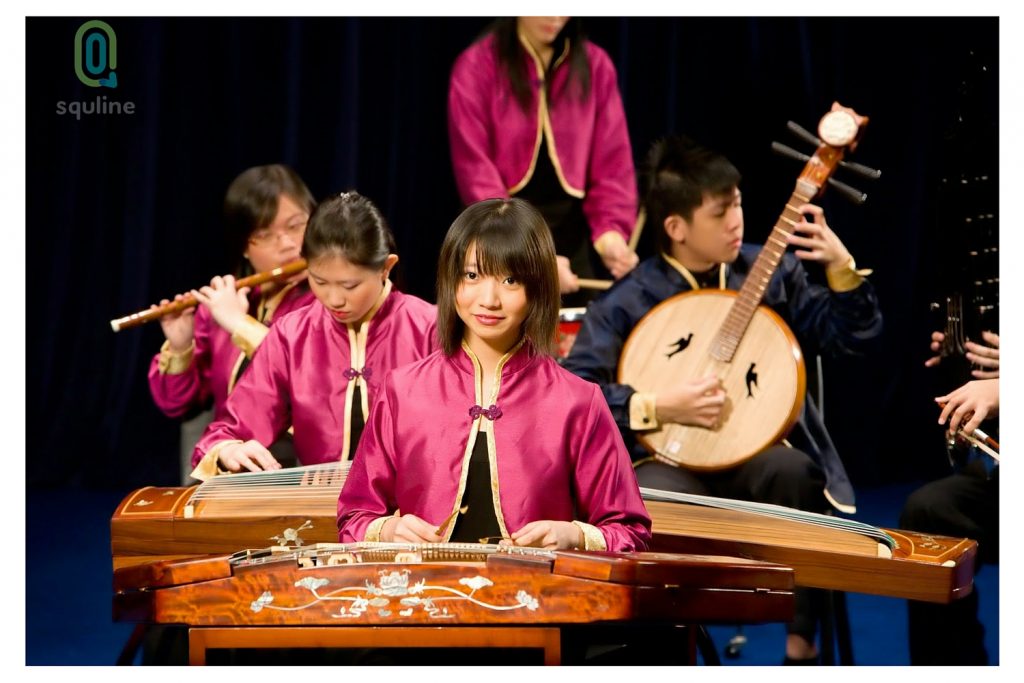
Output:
x=923 y=567
x=765 y=382
x=541 y=588
x=156 y=523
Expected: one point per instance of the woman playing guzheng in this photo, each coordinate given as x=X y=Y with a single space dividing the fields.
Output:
x=207 y=348
x=491 y=424
x=318 y=368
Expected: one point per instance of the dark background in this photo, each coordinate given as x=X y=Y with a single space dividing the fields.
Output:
x=124 y=210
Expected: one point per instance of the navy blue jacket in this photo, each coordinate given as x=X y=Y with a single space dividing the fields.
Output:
x=825 y=322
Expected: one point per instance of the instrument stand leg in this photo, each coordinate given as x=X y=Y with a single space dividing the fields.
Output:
x=835 y=630
x=707 y=647
x=132 y=645
x=196 y=647
x=828 y=635
x=843 y=639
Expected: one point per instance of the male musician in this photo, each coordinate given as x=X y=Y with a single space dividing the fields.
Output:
x=693 y=196
x=963 y=504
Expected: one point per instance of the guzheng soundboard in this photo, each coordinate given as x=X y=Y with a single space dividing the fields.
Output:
x=383 y=584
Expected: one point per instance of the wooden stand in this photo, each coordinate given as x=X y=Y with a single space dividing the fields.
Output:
x=451 y=596
x=203 y=638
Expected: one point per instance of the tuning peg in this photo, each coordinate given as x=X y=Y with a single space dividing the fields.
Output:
x=785 y=151
x=851 y=193
x=803 y=133
x=861 y=170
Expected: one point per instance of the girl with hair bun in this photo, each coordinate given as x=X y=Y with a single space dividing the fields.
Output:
x=319 y=367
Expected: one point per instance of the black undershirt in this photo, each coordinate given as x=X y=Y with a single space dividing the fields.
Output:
x=708 y=279
x=564 y=215
x=480 y=521
x=357 y=421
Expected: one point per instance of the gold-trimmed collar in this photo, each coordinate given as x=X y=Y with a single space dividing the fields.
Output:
x=478 y=371
x=544 y=127
x=268 y=305
x=537 y=61
x=480 y=424
x=384 y=291
x=688 y=276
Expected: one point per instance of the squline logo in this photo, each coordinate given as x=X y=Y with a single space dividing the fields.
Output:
x=96 y=52
x=95 y=64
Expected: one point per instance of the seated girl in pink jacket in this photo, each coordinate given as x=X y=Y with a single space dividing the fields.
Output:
x=491 y=422
x=320 y=366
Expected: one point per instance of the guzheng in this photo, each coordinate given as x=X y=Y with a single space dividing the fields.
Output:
x=290 y=507
x=297 y=508
x=891 y=562
x=387 y=584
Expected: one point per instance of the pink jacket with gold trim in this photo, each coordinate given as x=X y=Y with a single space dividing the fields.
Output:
x=494 y=144
x=554 y=450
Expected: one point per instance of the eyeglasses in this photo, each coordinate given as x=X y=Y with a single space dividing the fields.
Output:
x=266 y=237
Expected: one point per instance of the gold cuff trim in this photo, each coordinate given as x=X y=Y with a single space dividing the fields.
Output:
x=208 y=467
x=644 y=461
x=846 y=277
x=249 y=334
x=847 y=509
x=374 y=530
x=642 y=412
x=175 y=363
x=593 y=539
x=602 y=243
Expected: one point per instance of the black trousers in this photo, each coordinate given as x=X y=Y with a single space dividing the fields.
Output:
x=778 y=475
x=966 y=505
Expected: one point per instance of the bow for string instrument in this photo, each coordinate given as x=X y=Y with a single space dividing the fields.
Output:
x=977 y=438
x=748 y=346
x=188 y=301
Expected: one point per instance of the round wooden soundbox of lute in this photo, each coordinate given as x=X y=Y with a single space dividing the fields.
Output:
x=765 y=382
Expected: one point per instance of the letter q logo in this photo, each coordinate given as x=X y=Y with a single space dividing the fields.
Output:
x=96 y=54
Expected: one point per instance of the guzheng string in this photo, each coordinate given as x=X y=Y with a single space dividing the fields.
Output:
x=387 y=552
x=312 y=481
x=770 y=510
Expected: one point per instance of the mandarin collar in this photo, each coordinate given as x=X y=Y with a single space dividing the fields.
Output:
x=521 y=357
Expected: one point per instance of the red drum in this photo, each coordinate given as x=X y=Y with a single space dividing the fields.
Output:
x=569 y=322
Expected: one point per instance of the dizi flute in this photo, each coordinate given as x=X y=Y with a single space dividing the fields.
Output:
x=151 y=314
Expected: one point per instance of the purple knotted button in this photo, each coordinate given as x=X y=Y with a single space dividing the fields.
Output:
x=351 y=373
x=492 y=413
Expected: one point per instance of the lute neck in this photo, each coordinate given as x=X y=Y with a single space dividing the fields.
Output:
x=752 y=292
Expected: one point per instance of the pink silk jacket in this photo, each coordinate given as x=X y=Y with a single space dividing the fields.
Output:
x=214 y=360
x=494 y=144
x=304 y=374
x=554 y=450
